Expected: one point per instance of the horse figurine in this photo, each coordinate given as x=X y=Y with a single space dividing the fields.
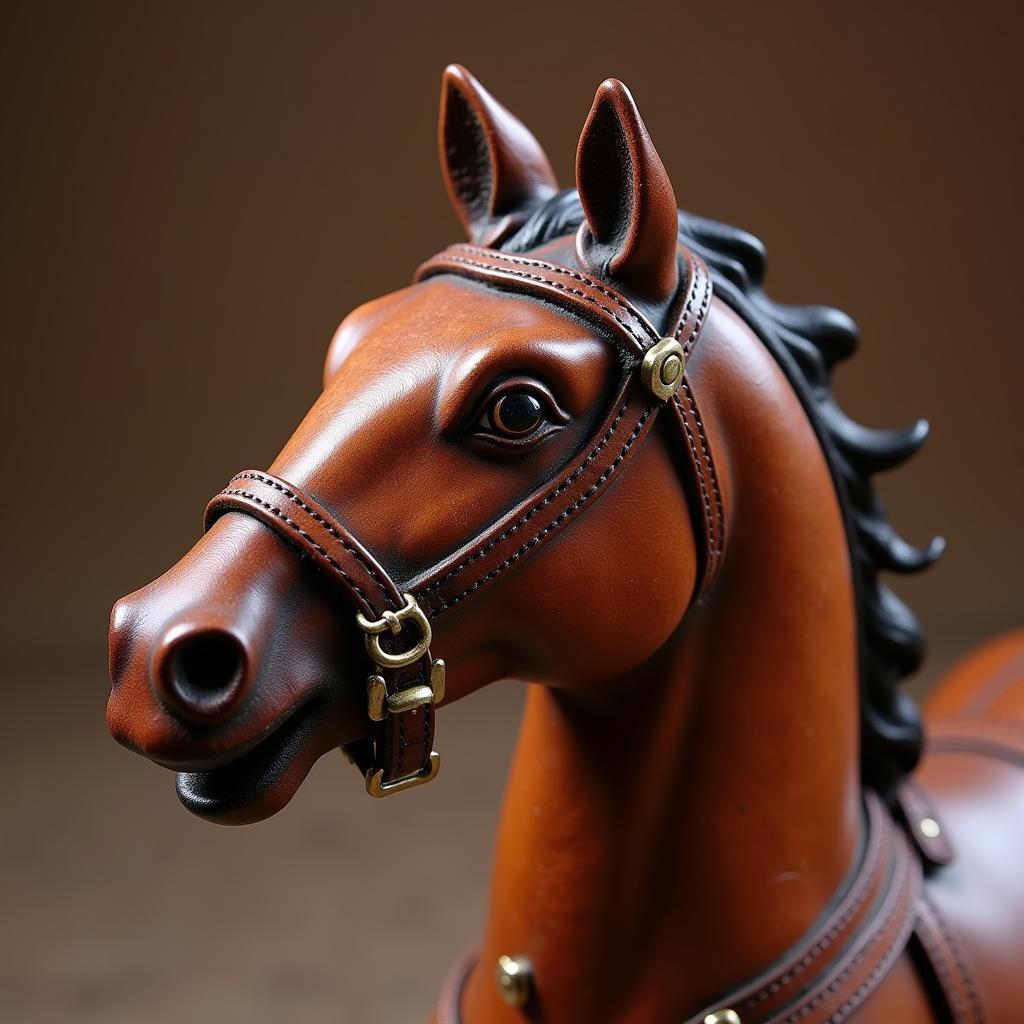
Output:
x=587 y=450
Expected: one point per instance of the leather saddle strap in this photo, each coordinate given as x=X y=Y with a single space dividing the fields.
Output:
x=841 y=961
x=524 y=528
x=1001 y=738
x=403 y=742
x=837 y=965
x=946 y=963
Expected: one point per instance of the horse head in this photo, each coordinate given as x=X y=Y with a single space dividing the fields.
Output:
x=484 y=414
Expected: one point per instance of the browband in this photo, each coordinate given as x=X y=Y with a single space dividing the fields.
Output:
x=406 y=682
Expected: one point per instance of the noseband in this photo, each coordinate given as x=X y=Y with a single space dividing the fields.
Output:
x=406 y=683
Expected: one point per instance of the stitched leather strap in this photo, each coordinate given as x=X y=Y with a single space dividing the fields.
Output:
x=945 y=961
x=485 y=557
x=837 y=965
x=842 y=960
x=923 y=824
x=307 y=525
x=1001 y=738
x=401 y=743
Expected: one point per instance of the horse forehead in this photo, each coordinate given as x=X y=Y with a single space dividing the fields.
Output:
x=450 y=315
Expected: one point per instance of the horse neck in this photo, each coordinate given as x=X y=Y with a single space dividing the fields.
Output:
x=676 y=832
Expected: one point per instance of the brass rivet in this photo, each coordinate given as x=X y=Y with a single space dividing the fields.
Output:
x=515 y=978
x=671 y=369
x=930 y=828
x=662 y=368
x=723 y=1017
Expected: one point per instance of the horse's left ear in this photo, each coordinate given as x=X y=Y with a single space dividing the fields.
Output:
x=631 y=229
x=495 y=170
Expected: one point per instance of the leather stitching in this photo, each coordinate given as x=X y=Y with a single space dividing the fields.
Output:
x=834 y=933
x=882 y=967
x=567 y=513
x=702 y=312
x=284 y=518
x=699 y=466
x=937 y=960
x=554 y=268
x=954 y=946
x=709 y=467
x=527 y=516
x=561 y=287
x=698 y=283
x=329 y=527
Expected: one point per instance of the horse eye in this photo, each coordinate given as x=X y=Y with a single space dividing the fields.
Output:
x=516 y=414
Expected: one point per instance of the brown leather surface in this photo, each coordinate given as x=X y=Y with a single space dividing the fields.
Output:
x=942 y=958
x=402 y=743
x=684 y=813
x=987 y=683
x=485 y=557
x=311 y=528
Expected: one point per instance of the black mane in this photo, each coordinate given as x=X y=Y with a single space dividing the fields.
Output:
x=807 y=342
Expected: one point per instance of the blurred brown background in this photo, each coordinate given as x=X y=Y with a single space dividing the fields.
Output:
x=194 y=194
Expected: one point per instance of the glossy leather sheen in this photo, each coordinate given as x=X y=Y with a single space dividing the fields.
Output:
x=685 y=827
x=403 y=742
x=403 y=746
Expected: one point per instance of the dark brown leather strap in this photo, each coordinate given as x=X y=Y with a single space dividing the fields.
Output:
x=520 y=531
x=944 y=960
x=842 y=960
x=920 y=818
x=400 y=748
x=1001 y=738
x=837 y=965
x=402 y=743
x=307 y=525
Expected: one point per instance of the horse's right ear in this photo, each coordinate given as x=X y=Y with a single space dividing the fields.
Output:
x=495 y=170
x=631 y=229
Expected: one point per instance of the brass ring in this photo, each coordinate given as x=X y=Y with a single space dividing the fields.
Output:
x=373 y=628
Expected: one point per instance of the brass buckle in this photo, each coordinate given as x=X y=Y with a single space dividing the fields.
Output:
x=373 y=628
x=376 y=787
x=380 y=703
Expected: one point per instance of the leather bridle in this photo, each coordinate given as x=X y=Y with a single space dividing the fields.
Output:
x=406 y=682
x=843 y=959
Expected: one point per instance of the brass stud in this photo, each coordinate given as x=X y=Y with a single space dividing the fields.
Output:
x=515 y=979
x=723 y=1017
x=663 y=367
x=671 y=370
x=930 y=828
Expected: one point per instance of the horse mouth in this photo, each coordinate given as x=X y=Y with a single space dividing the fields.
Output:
x=262 y=779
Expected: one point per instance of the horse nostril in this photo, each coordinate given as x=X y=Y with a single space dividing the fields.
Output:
x=203 y=673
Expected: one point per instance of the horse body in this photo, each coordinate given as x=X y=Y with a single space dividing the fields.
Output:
x=686 y=803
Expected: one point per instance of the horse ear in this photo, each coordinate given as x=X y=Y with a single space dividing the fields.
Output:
x=631 y=229
x=495 y=170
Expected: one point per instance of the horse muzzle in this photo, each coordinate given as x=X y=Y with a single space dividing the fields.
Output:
x=229 y=670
